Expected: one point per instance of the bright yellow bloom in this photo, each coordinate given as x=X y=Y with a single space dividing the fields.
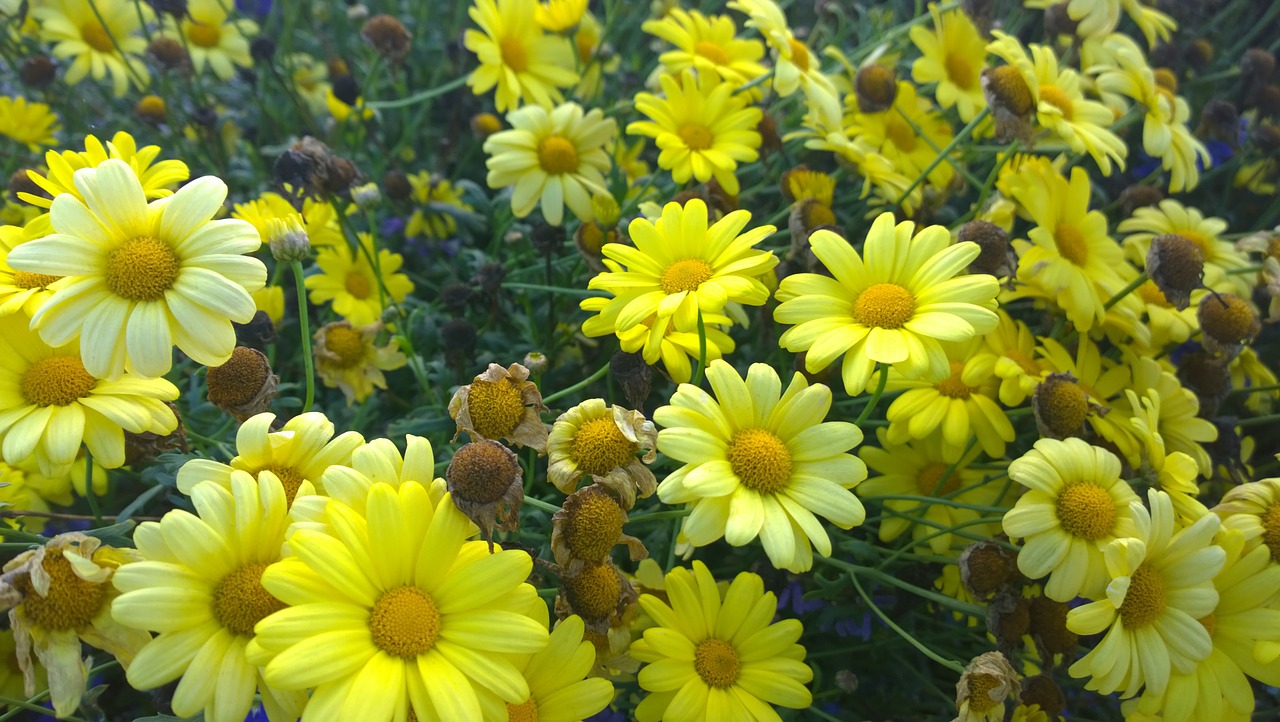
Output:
x=1222 y=261
x=760 y=462
x=1173 y=473
x=711 y=655
x=558 y=691
x=953 y=56
x=516 y=56
x=890 y=133
x=437 y=200
x=111 y=44
x=557 y=16
x=349 y=358
x=554 y=158
x=319 y=219
x=1179 y=422
x=706 y=44
x=1015 y=349
x=794 y=65
x=1254 y=509
x=213 y=38
x=270 y=300
x=658 y=339
x=894 y=304
x=204 y=605
x=355 y=286
x=702 y=128
x=31 y=124
x=20 y=290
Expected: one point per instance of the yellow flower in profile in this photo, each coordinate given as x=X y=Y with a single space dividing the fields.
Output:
x=204 y=605
x=398 y=612
x=49 y=404
x=99 y=37
x=951 y=55
x=703 y=127
x=1179 y=422
x=706 y=44
x=557 y=16
x=553 y=158
x=893 y=134
x=30 y=124
x=760 y=462
x=354 y=285
x=20 y=290
x=794 y=65
x=213 y=38
x=680 y=266
x=270 y=300
x=436 y=201
x=319 y=219
x=59 y=595
x=1015 y=349
x=1059 y=103
x=1159 y=585
x=348 y=358
x=298 y=454
x=1173 y=473
x=559 y=686
x=894 y=304
x=1222 y=260
x=1075 y=505
x=658 y=339
x=143 y=278
x=516 y=56
x=711 y=655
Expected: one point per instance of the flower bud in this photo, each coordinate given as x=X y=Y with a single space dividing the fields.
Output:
x=288 y=239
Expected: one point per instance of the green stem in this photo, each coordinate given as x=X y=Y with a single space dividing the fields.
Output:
x=1133 y=286
x=948 y=663
x=540 y=504
x=427 y=94
x=660 y=515
x=304 y=322
x=90 y=495
x=20 y=705
x=942 y=155
x=875 y=396
x=600 y=372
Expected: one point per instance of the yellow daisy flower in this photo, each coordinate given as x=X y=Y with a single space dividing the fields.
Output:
x=319 y=218
x=516 y=56
x=706 y=44
x=710 y=655
x=100 y=37
x=557 y=16
x=50 y=405
x=760 y=462
x=703 y=128
x=1159 y=585
x=213 y=38
x=348 y=358
x=353 y=285
x=20 y=290
x=890 y=133
x=1179 y=423
x=436 y=201
x=553 y=158
x=398 y=613
x=602 y=442
x=1173 y=473
x=59 y=595
x=893 y=305
x=204 y=605
x=298 y=454
x=1059 y=103
x=143 y=278
x=1075 y=505
x=681 y=266
x=952 y=55
x=658 y=339
x=1015 y=349
x=794 y=64
x=1222 y=261
x=31 y=124
x=1254 y=509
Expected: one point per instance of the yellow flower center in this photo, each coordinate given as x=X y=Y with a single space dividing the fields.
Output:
x=711 y=52
x=1071 y=244
x=928 y=478
x=1146 y=599
x=527 y=712
x=97 y=37
x=600 y=447
x=954 y=387
x=513 y=53
x=142 y=269
x=594 y=593
x=696 y=136
x=557 y=155
x=1166 y=79
x=1085 y=510
x=23 y=279
x=716 y=662
x=290 y=478
x=760 y=459
x=901 y=134
x=817 y=213
x=959 y=69
x=404 y=622
x=56 y=381
x=240 y=601
x=1271 y=529
x=884 y=305
x=685 y=275
x=347 y=344
x=980 y=688
x=1058 y=98
x=205 y=35
x=799 y=54
x=1011 y=90
x=594 y=527
x=358 y=285
x=496 y=407
x=72 y=602
x=1151 y=294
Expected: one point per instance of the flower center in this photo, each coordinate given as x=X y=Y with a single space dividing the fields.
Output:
x=513 y=54
x=901 y=135
x=696 y=136
x=1085 y=510
x=404 y=622
x=954 y=387
x=716 y=662
x=817 y=213
x=24 y=279
x=206 y=35
x=1271 y=530
x=959 y=69
x=240 y=601
x=482 y=472
x=1055 y=96
x=527 y=712
x=56 y=381
x=928 y=478
x=1145 y=599
x=600 y=447
x=1227 y=318
x=347 y=344
x=1009 y=88
x=496 y=407
x=290 y=478
x=1166 y=79
x=142 y=269
x=594 y=527
x=799 y=54
x=884 y=305
x=72 y=602
x=760 y=459
x=1071 y=244
x=240 y=379
x=712 y=52
x=97 y=37
x=1061 y=405
x=1023 y=360
x=685 y=275
x=357 y=285
x=593 y=593
x=557 y=155
x=1151 y=295
x=980 y=688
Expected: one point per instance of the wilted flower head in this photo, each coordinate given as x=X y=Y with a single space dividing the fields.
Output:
x=501 y=404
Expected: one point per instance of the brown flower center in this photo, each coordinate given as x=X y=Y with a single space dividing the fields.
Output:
x=760 y=460
x=594 y=592
x=482 y=472
x=1085 y=510
x=557 y=155
x=56 y=381
x=239 y=380
x=716 y=662
x=496 y=407
x=1008 y=86
x=404 y=622
x=1146 y=599
x=594 y=526
x=685 y=275
x=600 y=447
x=884 y=305
x=142 y=269
x=72 y=602
x=1061 y=405
x=240 y=601
x=1227 y=318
